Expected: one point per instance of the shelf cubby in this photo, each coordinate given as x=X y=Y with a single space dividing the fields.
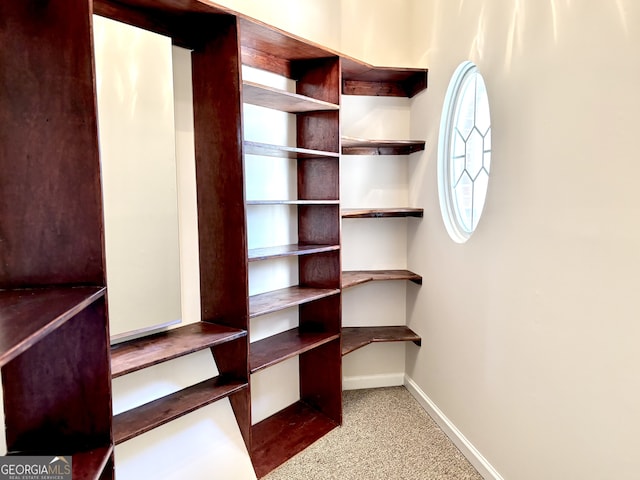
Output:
x=91 y=464
x=147 y=351
x=269 y=97
x=291 y=250
x=352 y=278
x=354 y=338
x=359 y=146
x=277 y=348
x=382 y=212
x=277 y=300
x=28 y=315
x=144 y=418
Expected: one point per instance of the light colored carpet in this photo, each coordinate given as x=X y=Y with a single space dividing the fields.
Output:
x=386 y=435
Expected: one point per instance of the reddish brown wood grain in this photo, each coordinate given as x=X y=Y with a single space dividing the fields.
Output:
x=358 y=277
x=381 y=212
x=354 y=338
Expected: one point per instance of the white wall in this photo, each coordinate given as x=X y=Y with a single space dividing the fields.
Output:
x=530 y=328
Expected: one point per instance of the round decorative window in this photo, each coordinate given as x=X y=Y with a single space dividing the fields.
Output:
x=464 y=152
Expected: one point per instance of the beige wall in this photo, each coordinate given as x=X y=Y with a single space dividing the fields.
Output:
x=530 y=329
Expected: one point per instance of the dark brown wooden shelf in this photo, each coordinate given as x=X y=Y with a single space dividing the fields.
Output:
x=359 y=78
x=137 y=421
x=144 y=352
x=281 y=436
x=26 y=316
x=276 y=300
x=381 y=212
x=277 y=348
x=358 y=277
x=277 y=99
x=270 y=150
x=359 y=146
x=90 y=465
x=292 y=250
x=293 y=202
x=354 y=338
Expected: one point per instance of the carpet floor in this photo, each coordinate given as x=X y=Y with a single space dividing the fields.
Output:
x=386 y=435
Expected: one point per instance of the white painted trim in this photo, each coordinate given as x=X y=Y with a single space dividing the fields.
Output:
x=472 y=454
x=373 y=381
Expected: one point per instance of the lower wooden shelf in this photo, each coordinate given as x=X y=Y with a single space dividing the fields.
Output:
x=352 y=278
x=354 y=338
x=91 y=465
x=277 y=348
x=137 y=421
x=381 y=212
x=283 y=435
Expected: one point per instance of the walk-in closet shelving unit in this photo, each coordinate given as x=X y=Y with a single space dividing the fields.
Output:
x=54 y=343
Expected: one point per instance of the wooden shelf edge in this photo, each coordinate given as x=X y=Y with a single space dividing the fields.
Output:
x=269 y=97
x=358 y=146
x=283 y=298
x=281 y=151
x=352 y=278
x=293 y=202
x=359 y=78
x=28 y=315
x=286 y=433
x=381 y=212
x=133 y=355
x=144 y=418
x=354 y=338
x=292 y=250
x=282 y=346
x=90 y=465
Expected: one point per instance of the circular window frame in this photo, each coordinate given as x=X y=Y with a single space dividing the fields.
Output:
x=448 y=202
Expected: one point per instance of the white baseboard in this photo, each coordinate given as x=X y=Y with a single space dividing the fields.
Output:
x=472 y=454
x=373 y=381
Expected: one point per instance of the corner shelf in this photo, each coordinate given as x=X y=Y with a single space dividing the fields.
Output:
x=359 y=78
x=358 y=146
x=268 y=97
x=354 y=338
x=137 y=421
x=28 y=315
x=382 y=212
x=281 y=151
x=277 y=300
x=358 y=277
x=277 y=348
x=293 y=202
x=128 y=357
x=296 y=249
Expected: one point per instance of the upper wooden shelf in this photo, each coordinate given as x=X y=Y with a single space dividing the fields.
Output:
x=276 y=300
x=277 y=348
x=295 y=249
x=359 y=78
x=358 y=146
x=354 y=338
x=358 y=277
x=28 y=315
x=144 y=352
x=286 y=433
x=381 y=212
x=277 y=99
x=293 y=202
x=90 y=465
x=137 y=421
x=269 y=150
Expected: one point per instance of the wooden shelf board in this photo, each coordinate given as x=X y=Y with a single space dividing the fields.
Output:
x=359 y=78
x=28 y=315
x=90 y=465
x=358 y=146
x=269 y=150
x=269 y=97
x=358 y=277
x=277 y=348
x=381 y=212
x=276 y=300
x=295 y=249
x=293 y=202
x=137 y=421
x=354 y=338
x=144 y=352
x=281 y=436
